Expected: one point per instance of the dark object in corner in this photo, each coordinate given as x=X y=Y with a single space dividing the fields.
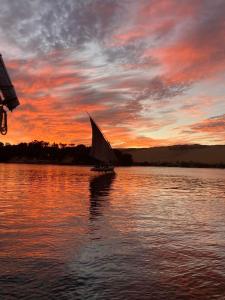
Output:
x=8 y=96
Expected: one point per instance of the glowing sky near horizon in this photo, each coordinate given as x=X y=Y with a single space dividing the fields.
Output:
x=150 y=72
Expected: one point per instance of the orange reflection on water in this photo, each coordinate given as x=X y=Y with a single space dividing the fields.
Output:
x=41 y=208
x=64 y=227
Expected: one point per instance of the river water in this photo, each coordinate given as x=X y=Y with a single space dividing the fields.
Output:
x=145 y=233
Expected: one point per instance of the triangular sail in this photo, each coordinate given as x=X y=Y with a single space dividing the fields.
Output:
x=101 y=148
x=6 y=87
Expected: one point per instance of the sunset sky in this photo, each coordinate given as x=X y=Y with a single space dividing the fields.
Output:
x=150 y=72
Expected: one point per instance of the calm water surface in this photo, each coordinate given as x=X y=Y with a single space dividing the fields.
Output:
x=145 y=233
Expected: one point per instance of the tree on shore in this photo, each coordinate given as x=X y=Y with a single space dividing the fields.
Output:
x=42 y=151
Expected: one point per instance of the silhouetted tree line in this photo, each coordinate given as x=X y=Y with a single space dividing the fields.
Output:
x=44 y=152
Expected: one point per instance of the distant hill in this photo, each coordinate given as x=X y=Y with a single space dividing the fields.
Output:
x=180 y=155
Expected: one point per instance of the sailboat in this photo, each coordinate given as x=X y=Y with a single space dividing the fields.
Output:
x=101 y=150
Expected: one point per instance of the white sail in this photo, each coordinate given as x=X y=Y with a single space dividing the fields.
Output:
x=101 y=148
x=6 y=87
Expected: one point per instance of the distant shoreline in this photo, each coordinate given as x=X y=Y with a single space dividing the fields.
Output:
x=144 y=164
x=187 y=156
x=181 y=165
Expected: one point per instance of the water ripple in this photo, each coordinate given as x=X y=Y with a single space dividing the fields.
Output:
x=144 y=233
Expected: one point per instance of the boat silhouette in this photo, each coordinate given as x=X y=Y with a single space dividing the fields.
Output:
x=101 y=150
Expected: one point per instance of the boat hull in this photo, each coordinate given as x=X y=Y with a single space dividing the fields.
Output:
x=103 y=169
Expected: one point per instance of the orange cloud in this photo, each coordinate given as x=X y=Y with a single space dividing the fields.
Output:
x=210 y=130
x=212 y=125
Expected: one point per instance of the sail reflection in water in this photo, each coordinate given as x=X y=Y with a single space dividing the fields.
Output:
x=100 y=187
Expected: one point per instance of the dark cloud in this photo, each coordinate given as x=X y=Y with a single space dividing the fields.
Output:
x=159 y=89
x=41 y=25
x=126 y=54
